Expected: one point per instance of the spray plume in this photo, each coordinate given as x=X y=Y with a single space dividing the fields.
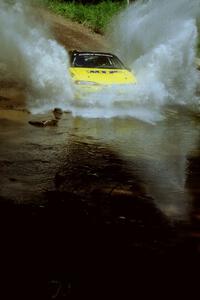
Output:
x=33 y=57
x=155 y=38
x=158 y=39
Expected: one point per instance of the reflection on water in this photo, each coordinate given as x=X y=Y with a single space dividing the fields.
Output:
x=29 y=155
x=156 y=153
x=13 y=115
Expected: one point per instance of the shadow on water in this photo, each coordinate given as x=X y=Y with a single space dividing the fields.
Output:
x=95 y=227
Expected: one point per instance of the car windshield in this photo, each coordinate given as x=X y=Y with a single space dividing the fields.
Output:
x=97 y=61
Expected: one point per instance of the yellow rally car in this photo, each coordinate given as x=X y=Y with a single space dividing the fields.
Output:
x=92 y=70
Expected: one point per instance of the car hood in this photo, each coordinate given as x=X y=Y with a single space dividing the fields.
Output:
x=103 y=76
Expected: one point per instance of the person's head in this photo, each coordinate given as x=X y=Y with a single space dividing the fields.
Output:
x=57 y=113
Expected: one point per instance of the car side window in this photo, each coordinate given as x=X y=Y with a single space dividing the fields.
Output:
x=79 y=61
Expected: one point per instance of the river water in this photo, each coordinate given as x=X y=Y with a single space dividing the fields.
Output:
x=161 y=155
x=119 y=184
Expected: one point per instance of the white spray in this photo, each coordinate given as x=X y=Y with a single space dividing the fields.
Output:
x=157 y=39
x=33 y=58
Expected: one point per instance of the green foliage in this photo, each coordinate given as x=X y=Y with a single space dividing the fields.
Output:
x=95 y=16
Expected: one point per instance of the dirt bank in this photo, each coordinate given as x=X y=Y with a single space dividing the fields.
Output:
x=73 y=35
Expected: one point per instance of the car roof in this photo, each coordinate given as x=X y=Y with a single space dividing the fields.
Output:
x=75 y=52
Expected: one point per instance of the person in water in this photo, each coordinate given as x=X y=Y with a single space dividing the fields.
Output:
x=57 y=112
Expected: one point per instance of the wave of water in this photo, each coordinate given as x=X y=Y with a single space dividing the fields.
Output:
x=158 y=40
x=33 y=58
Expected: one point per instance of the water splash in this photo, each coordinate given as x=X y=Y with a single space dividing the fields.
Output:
x=158 y=40
x=33 y=58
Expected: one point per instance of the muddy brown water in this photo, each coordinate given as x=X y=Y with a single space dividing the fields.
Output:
x=99 y=208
